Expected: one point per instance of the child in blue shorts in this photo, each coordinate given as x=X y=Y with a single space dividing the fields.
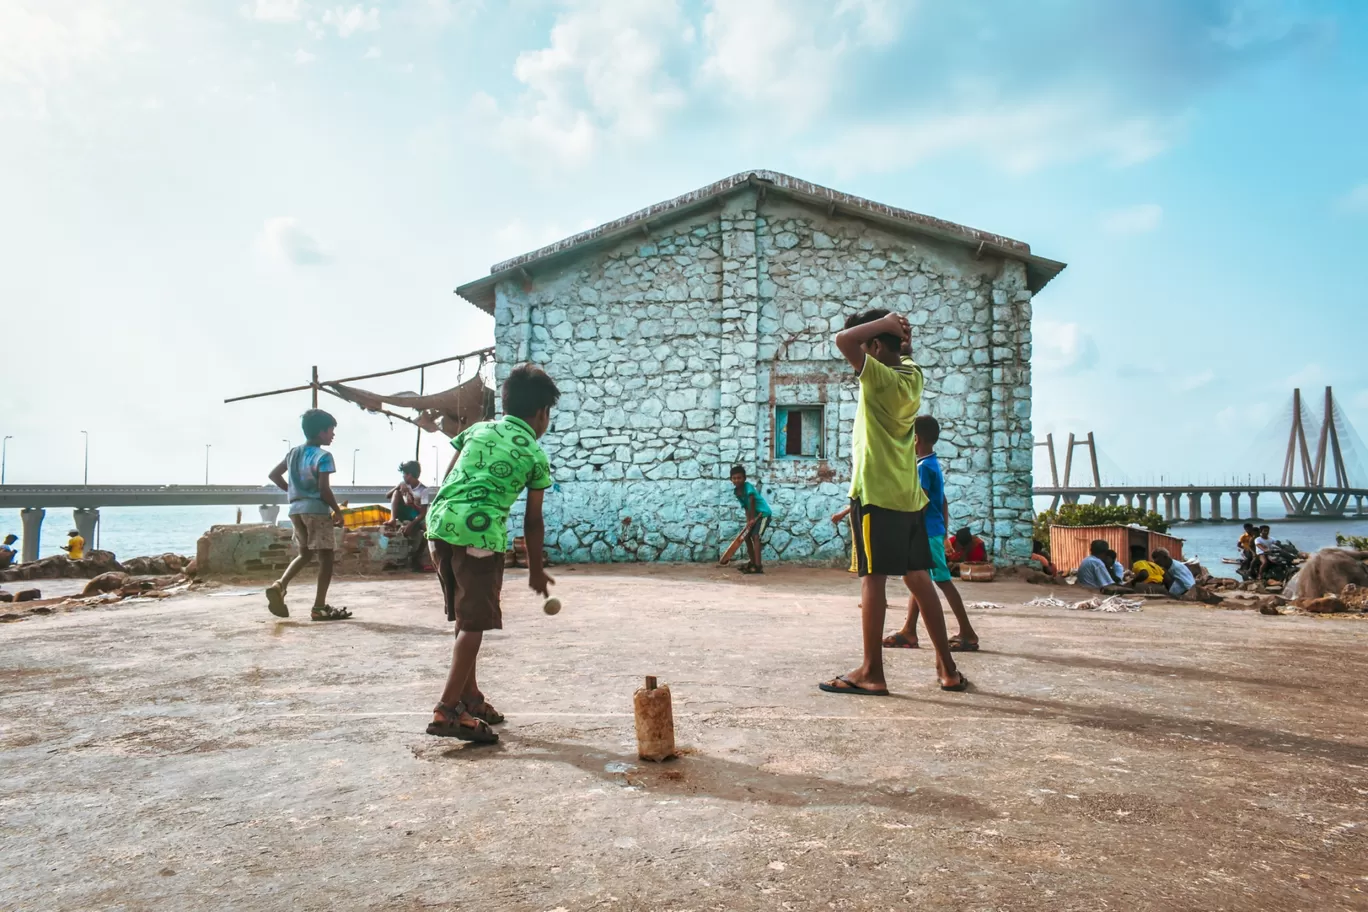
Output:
x=932 y=481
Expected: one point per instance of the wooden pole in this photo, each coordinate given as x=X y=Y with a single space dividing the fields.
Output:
x=422 y=388
x=483 y=353
x=313 y=385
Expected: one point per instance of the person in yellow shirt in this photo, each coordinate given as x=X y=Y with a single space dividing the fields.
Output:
x=75 y=546
x=886 y=500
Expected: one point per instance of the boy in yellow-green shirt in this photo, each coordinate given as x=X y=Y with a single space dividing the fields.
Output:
x=886 y=501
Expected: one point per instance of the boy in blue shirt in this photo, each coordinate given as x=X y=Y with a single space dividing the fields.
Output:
x=932 y=482
x=758 y=516
x=304 y=474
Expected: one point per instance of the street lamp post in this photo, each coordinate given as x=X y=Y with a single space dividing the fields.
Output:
x=354 y=452
x=87 y=457
x=206 y=463
x=4 y=455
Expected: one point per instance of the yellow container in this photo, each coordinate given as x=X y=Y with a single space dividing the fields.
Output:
x=358 y=517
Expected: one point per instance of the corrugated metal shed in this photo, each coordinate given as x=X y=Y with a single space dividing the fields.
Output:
x=1070 y=544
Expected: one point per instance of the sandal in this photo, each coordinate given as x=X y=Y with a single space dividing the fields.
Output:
x=959 y=645
x=329 y=613
x=275 y=601
x=898 y=641
x=751 y=568
x=485 y=712
x=452 y=727
x=843 y=685
x=963 y=684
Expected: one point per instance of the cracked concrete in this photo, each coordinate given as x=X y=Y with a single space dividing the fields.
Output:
x=198 y=754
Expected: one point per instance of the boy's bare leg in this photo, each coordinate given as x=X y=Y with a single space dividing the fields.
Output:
x=909 y=628
x=302 y=560
x=461 y=678
x=966 y=630
x=325 y=570
x=919 y=581
x=754 y=547
x=873 y=612
x=750 y=550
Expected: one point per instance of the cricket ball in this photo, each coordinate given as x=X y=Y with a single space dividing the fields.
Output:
x=552 y=605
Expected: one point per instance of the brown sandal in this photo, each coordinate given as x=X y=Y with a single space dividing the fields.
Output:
x=485 y=712
x=452 y=727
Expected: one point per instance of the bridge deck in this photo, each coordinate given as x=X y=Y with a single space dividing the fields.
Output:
x=49 y=496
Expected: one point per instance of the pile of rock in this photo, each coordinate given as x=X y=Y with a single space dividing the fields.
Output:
x=62 y=567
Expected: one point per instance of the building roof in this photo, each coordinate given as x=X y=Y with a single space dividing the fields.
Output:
x=1039 y=270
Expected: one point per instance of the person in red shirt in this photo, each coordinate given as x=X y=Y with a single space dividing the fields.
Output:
x=965 y=548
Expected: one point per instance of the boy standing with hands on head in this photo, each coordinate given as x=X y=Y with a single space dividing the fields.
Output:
x=932 y=481
x=467 y=525
x=886 y=501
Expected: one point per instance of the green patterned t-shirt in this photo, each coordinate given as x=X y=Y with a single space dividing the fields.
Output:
x=497 y=460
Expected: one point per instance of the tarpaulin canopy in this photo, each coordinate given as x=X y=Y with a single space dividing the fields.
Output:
x=450 y=411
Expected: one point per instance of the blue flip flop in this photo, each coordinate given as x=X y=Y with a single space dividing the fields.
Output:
x=843 y=685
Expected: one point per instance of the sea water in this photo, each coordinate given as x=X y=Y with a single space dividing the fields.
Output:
x=135 y=531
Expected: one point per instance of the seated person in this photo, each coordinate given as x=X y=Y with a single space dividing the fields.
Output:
x=1262 y=545
x=1246 y=546
x=1146 y=575
x=1114 y=567
x=1178 y=579
x=8 y=553
x=1038 y=555
x=1093 y=572
x=409 y=502
x=75 y=546
x=965 y=548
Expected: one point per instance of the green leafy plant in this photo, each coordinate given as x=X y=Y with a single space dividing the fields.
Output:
x=1357 y=542
x=1095 y=515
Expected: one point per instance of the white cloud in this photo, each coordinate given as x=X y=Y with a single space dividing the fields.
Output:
x=789 y=53
x=1062 y=347
x=350 y=21
x=1140 y=219
x=1356 y=200
x=275 y=10
x=303 y=57
x=41 y=52
x=603 y=75
x=1019 y=137
x=284 y=240
x=372 y=53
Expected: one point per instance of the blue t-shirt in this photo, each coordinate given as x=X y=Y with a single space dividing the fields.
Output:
x=1093 y=573
x=305 y=464
x=1182 y=579
x=933 y=485
x=762 y=508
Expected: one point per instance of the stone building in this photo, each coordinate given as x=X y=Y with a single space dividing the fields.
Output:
x=697 y=333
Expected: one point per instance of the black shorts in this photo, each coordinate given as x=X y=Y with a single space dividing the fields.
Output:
x=889 y=542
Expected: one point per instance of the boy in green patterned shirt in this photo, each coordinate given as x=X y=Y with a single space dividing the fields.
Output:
x=467 y=525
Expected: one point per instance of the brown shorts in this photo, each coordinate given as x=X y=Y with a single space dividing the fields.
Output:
x=313 y=531
x=470 y=586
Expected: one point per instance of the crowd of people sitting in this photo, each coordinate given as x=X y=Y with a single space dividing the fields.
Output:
x=1157 y=573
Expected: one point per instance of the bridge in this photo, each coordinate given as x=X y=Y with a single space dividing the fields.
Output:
x=85 y=501
x=1323 y=489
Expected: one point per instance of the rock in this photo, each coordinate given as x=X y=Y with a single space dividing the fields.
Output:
x=1269 y=609
x=1326 y=604
x=28 y=595
x=1355 y=597
x=192 y=568
x=106 y=582
x=6 y=596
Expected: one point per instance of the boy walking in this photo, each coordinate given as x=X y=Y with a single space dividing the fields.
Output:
x=929 y=475
x=467 y=525
x=886 y=500
x=305 y=474
x=758 y=516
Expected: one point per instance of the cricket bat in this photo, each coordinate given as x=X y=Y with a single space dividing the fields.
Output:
x=736 y=543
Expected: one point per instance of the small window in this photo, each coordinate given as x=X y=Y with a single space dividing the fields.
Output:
x=798 y=432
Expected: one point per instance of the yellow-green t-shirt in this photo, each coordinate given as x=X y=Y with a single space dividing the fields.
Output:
x=76 y=547
x=884 y=450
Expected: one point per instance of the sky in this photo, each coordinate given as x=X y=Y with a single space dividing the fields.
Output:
x=203 y=199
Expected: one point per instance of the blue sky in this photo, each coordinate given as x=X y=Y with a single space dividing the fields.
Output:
x=203 y=199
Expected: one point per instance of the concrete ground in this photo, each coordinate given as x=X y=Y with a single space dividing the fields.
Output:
x=197 y=753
